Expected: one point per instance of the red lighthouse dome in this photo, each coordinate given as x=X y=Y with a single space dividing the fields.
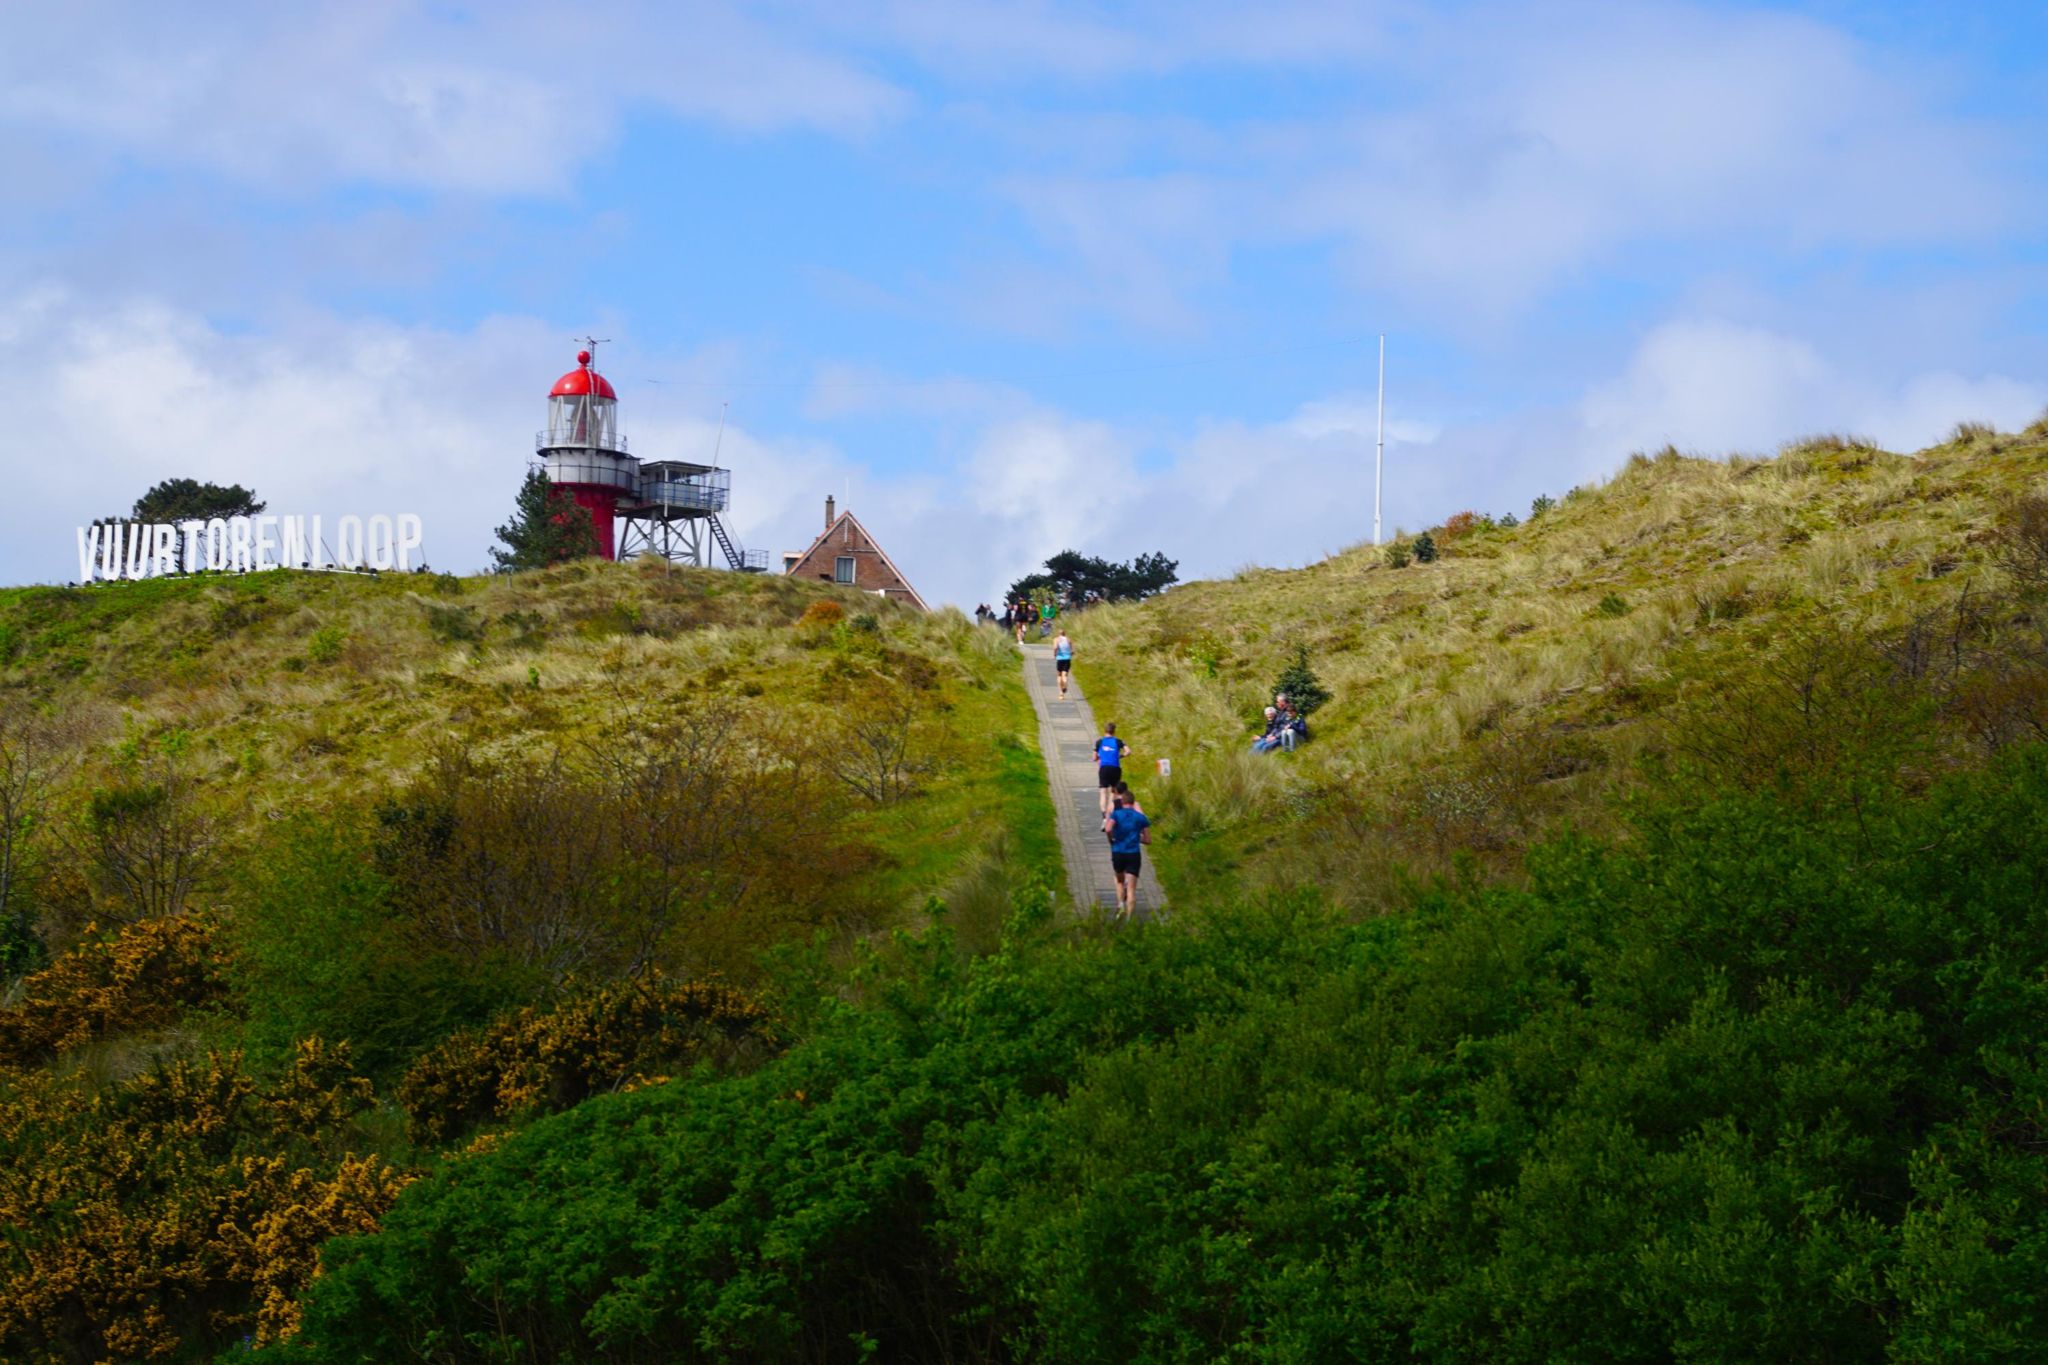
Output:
x=582 y=380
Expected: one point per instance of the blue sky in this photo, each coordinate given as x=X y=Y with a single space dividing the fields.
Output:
x=1009 y=277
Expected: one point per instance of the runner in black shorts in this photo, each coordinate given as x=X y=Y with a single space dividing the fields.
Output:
x=1109 y=763
x=1063 y=660
x=1128 y=830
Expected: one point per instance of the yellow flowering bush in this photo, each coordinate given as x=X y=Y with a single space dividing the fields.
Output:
x=144 y=977
x=163 y=1211
x=537 y=1060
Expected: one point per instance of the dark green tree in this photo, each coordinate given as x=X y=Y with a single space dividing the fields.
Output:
x=1072 y=574
x=1298 y=682
x=1425 y=548
x=547 y=527
x=176 y=500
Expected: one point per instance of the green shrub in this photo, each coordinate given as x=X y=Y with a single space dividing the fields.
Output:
x=453 y=625
x=1425 y=549
x=320 y=951
x=1398 y=555
x=21 y=947
x=530 y=628
x=1543 y=503
x=324 y=645
x=1757 y=1082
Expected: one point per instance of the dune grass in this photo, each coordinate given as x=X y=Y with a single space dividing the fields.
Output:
x=291 y=691
x=1502 y=688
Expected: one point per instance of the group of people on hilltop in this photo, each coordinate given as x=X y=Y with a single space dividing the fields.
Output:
x=1016 y=617
x=1285 y=727
x=1019 y=616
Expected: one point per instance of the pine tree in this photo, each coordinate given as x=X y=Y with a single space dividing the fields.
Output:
x=547 y=527
x=1299 y=684
x=177 y=500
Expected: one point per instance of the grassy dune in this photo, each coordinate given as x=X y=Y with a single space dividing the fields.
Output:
x=1520 y=677
x=286 y=692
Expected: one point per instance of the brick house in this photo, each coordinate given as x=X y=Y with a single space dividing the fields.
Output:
x=847 y=553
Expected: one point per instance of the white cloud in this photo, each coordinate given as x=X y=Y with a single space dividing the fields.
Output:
x=502 y=98
x=1496 y=155
x=1005 y=41
x=1715 y=386
x=332 y=417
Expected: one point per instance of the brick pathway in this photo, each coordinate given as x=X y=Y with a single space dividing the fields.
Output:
x=1066 y=736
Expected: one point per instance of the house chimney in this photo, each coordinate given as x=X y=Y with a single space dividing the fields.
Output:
x=829 y=518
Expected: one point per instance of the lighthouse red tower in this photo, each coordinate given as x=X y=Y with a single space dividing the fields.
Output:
x=583 y=452
x=663 y=507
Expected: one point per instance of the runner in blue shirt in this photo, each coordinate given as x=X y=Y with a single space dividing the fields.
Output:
x=1063 y=660
x=1128 y=832
x=1109 y=763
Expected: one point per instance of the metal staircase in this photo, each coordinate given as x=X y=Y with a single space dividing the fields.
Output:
x=745 y=561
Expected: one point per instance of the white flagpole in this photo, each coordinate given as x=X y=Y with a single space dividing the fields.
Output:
x=1380 y=450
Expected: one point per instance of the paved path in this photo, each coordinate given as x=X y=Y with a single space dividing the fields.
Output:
x=1066 y=736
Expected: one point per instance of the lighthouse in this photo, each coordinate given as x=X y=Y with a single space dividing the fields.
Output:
x=582 y=451
x=661 y=507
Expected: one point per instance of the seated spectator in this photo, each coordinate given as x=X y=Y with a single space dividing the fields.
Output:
x=1270 y=738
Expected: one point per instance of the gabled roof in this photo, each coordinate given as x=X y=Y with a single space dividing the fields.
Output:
x=869 y=537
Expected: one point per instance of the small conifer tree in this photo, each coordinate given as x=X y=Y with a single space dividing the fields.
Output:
x=1425 y=548
x=547 y=527
x=1299 y=684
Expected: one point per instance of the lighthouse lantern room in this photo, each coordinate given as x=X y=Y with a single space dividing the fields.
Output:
x=665 y=507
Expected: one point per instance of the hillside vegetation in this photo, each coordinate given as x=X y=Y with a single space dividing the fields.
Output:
x=1645 y=961
x=307 y=877
x=1528 y=673
x=269 y=695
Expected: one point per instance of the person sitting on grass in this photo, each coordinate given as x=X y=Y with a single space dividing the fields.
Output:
x=1293 y=726
x=1269 y=738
